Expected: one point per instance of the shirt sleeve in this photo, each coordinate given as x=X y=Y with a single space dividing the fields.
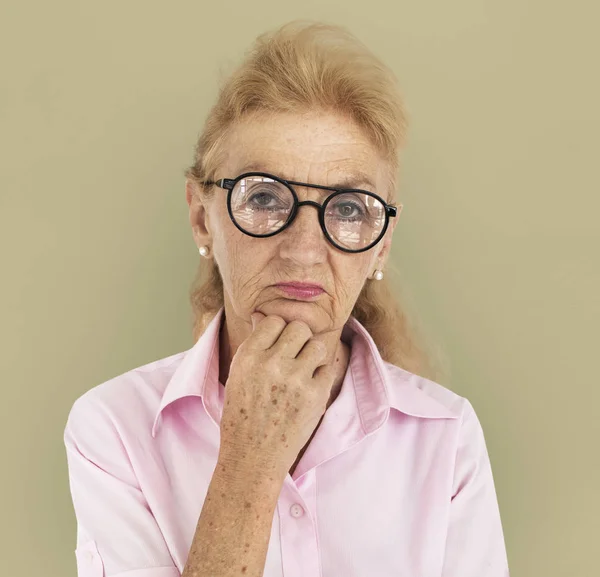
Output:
x=475 y=541
x=117 y=533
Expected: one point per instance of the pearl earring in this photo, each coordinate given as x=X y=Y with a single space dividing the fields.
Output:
x=203 y=250
x=378 y=275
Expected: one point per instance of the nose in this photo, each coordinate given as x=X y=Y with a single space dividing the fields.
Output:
x=303 y=240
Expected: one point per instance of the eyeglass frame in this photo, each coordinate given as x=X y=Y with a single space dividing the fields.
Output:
x=229 y=184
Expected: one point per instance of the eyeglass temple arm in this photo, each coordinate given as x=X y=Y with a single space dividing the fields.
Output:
x=226 y=183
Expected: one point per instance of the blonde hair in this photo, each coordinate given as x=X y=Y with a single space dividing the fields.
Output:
x=302 y=67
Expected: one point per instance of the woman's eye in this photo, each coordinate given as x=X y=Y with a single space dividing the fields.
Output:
x=268 y=202
x=348 y=210
x=262 y=198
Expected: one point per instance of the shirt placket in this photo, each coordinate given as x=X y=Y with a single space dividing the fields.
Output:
x=296 y=508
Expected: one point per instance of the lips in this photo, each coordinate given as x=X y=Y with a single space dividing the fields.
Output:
x=301 y=285
x=302 y=291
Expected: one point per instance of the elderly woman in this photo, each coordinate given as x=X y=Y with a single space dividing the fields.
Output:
x=295 y=438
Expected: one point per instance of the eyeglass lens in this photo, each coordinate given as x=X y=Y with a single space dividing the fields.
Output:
x=262 y=206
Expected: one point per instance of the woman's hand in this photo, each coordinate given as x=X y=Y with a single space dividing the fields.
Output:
x=275 y=395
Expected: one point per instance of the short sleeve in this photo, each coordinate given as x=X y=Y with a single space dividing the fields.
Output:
x=475 y=541
x=117 y=534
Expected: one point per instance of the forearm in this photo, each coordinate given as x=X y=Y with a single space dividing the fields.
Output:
x=234 y=528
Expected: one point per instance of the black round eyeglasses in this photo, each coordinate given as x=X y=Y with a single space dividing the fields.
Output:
x=262 y=205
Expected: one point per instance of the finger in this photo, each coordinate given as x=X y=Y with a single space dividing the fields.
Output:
x=313 y=354
x=292 y=339
x=266 y=332
x=324 y=376
x=255 y=318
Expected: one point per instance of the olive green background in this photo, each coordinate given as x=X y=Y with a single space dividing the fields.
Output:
x=497 y=248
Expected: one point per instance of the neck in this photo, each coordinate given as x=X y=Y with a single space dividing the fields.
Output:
x=338 y=355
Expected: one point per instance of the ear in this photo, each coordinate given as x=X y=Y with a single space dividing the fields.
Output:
x=386 y=244
x=198 y=215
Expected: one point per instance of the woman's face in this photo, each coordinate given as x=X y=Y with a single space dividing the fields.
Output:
x=317 y=149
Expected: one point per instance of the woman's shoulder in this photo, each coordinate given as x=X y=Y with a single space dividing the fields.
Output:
x=132 y=396
x=425 y=391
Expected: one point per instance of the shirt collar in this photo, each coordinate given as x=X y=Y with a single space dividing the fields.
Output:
x=378 y=385
x=199 y=366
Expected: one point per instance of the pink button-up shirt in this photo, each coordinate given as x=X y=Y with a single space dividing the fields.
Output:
x=395 y=483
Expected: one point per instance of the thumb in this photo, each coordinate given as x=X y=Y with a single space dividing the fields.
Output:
x=256 y=317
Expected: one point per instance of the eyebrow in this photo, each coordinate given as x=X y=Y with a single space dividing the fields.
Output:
x=353 y=180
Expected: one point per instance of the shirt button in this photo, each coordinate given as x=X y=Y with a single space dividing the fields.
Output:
x=296 y=510
x=89 y=557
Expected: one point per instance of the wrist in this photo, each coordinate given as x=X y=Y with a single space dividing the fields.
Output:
x=239 y=470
